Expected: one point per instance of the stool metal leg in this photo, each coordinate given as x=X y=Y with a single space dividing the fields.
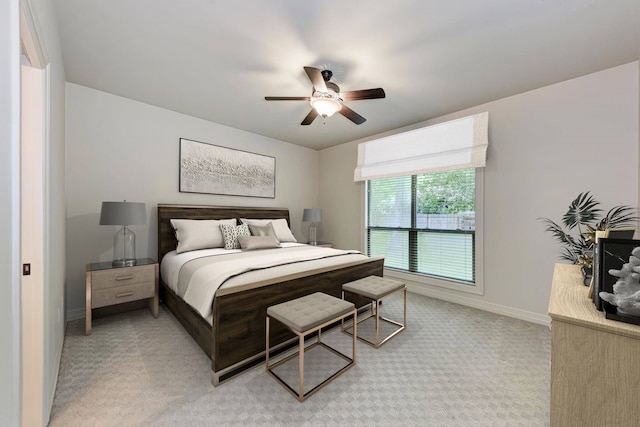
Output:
x=355 y=334
x=405 y=306
x=267 y=345
x=377 y=318
x=301 y=369
x=377 y=339
x=300 y=394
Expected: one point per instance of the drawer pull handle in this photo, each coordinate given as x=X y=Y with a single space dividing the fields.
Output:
x=124 y=277
x=124 y=294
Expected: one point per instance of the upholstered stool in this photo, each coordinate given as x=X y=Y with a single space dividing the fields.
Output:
x=376 y=289
x=304 y=316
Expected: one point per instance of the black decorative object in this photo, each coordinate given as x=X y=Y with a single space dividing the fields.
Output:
x=610 y=254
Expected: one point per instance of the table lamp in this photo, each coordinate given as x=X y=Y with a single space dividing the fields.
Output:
x=124 y=241
x=314 y=216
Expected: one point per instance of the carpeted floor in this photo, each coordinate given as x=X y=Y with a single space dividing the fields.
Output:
x=452 y=366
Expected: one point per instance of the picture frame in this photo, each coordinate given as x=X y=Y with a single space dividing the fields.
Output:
x=612 y=233
x=213 y=169
x=620 y=233
x=611 y=253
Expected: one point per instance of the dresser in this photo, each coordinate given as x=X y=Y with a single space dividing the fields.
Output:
x=595 y=362
x=109 y=286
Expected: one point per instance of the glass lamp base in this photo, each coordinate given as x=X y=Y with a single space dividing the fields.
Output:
x=123 y=262
x=124 y=248
x=312 y=234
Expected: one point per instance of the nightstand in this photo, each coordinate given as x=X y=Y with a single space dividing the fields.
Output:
x=109 y=286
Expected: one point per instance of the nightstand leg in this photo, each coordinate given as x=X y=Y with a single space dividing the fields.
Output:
x=154 y=302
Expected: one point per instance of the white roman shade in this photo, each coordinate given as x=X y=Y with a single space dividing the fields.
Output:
x=456 y=144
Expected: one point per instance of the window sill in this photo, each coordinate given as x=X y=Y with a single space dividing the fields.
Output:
x=420 y=279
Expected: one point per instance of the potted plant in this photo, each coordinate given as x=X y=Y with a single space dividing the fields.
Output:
x=585 y=215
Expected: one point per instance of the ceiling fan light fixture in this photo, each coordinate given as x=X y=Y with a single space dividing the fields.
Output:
x=326 y=98
x=327 y=105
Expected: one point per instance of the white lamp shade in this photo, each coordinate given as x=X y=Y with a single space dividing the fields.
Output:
x=123 y=213
x=312 y=215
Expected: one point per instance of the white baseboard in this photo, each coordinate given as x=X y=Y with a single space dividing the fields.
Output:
x=433 y=293
x=481 y=305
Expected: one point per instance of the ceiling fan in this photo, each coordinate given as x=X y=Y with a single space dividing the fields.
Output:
x=326 y=98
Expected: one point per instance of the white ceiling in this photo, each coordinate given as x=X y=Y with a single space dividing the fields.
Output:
x=217 y=60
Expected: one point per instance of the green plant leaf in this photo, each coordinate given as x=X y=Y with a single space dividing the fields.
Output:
x=618 y=216
x=565 y=238
x=569 y=255
x=582 y=210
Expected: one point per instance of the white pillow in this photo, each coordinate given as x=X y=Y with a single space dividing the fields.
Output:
x=280 y=226
x=193 y=234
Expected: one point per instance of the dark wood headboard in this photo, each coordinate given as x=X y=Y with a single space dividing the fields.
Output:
x=167 y=239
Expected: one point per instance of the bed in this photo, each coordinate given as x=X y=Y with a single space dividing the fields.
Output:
x=234 y=335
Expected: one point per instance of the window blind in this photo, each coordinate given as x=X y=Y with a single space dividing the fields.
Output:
x=456 y=144
x=424 y=223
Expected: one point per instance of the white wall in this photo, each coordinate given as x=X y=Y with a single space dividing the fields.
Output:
x=10 y=207
x=341 y=199
x=9 y=213
x=545 y=147
x=121 y=149
x=54 y=203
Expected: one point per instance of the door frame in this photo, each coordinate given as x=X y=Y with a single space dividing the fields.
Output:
x=34 y=123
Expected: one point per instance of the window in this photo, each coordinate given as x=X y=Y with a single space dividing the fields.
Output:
x=425 y=223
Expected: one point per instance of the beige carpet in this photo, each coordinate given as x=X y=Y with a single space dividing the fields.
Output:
x=452 y=366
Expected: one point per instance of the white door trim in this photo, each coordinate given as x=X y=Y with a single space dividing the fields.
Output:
x=32 y=244
x=33 y=129
x=30 y=37
x=10 y=364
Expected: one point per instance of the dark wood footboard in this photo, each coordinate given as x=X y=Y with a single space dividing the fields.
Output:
x=237 y=339
x=239 y=318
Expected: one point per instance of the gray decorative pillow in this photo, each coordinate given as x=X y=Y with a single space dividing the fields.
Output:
x=230 y=234
x=263 y=230
x=249 y=243
x=280 y=226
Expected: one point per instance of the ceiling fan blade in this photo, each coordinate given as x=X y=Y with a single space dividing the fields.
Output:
x=287 y=98
x=310 y=117
x=352 y=115
x=316 y=78
x=355 y=95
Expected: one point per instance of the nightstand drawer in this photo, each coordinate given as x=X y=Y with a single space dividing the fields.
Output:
x=121 y=277
x=120 y=294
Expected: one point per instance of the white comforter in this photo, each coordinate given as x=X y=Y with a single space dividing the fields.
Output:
x=230 y=272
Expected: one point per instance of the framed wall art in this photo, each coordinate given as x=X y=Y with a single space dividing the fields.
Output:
x=211 y=169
